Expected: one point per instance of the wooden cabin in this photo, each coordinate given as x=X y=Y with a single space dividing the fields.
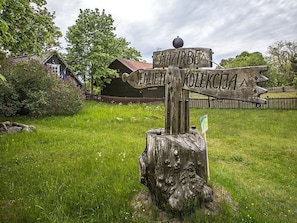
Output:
x=119 y=91
x=56 y=63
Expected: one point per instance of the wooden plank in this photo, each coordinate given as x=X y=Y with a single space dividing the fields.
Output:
x=145 y=78
x=234 y=83
x=173 y=89
x=183 y=58
x=184 y=112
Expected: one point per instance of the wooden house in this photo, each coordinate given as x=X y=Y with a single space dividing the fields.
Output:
x=56 y=63
x=119 y=91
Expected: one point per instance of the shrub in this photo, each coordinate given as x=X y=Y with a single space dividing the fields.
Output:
x=31 y=89
x=295 y=82
x=9 y=103
x=64 y=98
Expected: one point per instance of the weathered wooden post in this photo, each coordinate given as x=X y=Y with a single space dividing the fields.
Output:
x=174 y=165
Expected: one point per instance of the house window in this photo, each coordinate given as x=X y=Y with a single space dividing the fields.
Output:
x=56 y=69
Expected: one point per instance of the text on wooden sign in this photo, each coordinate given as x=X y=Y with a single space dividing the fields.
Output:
x=183 y=58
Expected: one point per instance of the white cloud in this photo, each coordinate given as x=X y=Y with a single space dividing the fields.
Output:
x=228 y=27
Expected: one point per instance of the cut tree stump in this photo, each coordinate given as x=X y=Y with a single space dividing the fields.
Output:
x=174 y=168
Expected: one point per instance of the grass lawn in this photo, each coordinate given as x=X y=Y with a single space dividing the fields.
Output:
x=280 y=95
x=84 y=168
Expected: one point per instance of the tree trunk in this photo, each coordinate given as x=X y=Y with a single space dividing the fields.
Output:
x=174 y=168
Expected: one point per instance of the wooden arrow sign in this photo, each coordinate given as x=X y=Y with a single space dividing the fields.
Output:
x=234 y=83
x=145 y=78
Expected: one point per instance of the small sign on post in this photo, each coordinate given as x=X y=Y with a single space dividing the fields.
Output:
x=204 y=128
x=204 y=123
x=183 y=58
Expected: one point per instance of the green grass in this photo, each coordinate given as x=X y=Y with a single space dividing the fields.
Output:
x=84 y=168
x=280 y=95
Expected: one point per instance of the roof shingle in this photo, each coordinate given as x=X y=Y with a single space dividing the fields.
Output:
x=135 y=65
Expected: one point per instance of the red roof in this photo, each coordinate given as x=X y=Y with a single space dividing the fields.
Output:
x=134 y=65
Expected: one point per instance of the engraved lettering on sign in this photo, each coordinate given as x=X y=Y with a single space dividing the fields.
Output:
x=244 y=83
x=209 y=80
x=183 y=58
x=150 y=78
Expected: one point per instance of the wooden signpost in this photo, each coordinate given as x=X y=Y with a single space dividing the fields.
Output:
x=174 y=165
x=183 y=75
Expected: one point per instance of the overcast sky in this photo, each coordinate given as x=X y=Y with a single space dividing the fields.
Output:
x=228 y=27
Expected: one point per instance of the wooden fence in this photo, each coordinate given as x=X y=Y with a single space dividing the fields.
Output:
x=281 y=89
x=271 y=103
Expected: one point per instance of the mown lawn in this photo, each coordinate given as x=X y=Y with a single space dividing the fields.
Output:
x=84 y=168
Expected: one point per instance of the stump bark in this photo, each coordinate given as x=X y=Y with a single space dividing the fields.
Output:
x=174 y=168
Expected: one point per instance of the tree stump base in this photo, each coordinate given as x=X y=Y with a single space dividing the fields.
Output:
x=174 y=168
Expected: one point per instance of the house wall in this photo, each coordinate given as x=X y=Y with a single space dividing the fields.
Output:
x=119 y=88
x=55 y=60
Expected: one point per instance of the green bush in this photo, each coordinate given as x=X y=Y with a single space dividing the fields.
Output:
x=295 y=82
x=64 y=98
x=9 y=103
x=31 y=89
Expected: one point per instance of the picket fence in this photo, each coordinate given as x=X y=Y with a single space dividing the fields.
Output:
x=271 y=103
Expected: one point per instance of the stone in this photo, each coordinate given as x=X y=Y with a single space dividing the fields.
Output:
x=174 y=168
x=14 y=127
x=29 y=128
x=134 y=119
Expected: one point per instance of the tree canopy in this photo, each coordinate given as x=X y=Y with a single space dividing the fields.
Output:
x=92 y=45
x=243 y=60
x=27 y=27
x=282 y=58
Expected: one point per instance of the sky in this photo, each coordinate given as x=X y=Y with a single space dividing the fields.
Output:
x=228 y=27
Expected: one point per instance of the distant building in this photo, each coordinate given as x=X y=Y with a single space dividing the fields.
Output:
x=119 y=91
x=56 y=63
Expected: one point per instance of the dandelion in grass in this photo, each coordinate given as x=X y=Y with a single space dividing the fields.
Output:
x=122 y=155
x=98 y=155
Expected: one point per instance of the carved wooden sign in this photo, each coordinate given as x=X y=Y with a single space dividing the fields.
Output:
x=234 y=83
x=182 y=160
x=179 y=70
x=183 y=58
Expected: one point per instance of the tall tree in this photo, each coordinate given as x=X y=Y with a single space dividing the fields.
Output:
x=243 y=60
x=294 y=70
x=27 y=27
x=282 y=61
x=3 y=25
x=3 y=31
x=246 y=59
x=92 y=45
